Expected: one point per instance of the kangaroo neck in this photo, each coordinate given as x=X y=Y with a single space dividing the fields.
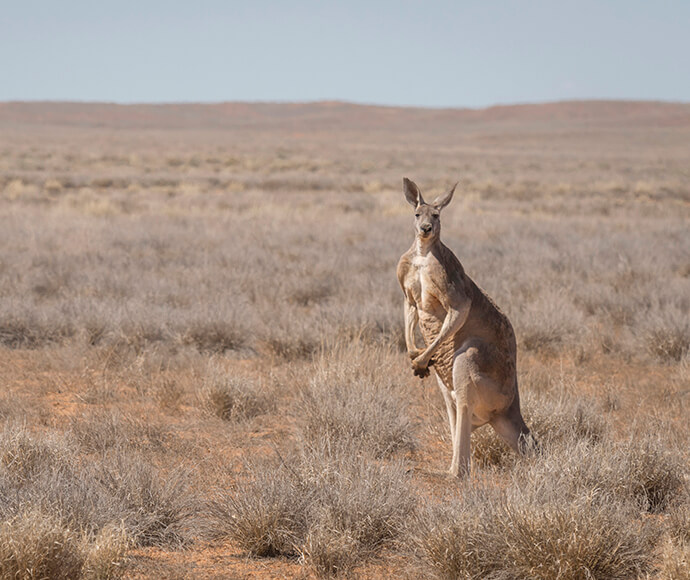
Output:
x=426 y=247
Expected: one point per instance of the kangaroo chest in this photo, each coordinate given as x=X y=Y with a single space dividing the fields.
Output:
x=423 y=290
x=422 y=287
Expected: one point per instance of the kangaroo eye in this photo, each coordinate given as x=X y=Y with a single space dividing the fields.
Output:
x=416 y=215
x=436 y=215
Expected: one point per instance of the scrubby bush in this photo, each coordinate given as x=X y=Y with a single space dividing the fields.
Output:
x=232 y=398
x=352 y=397
x=330 y=505
x=99 y=430
x=266 y=512
x=640 y=473
x=157 y=510
x=675 y=561
x=492 y=533
x=36 y=545
x=100 y=507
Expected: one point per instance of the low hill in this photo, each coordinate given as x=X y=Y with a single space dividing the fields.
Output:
x=333 y=115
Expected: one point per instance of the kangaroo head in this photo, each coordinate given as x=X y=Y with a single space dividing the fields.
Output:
x=427 y=216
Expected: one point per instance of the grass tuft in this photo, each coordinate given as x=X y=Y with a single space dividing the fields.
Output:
x=492 y=533
x=671 y=341
x=106 y=554
x=652 y=474
x=266 y=513
x=232 y=398
x=215 y=337
x=157 y=510
x=36 y=545
x=24 y=455
x=675 y=561
x=330 y=505
x=352 y=397
x=679 y=521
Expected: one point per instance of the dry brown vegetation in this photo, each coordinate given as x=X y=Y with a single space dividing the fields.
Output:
x=201 y=341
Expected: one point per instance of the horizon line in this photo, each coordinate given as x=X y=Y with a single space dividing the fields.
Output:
x=341 y=102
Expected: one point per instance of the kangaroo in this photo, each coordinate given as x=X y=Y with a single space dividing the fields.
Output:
x=469 y=342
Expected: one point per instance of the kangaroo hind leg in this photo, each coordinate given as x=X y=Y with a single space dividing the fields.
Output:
x=511 y=427
x=450 y=407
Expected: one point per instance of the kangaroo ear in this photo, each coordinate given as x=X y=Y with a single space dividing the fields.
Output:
x=443 y=200
x=412 y=193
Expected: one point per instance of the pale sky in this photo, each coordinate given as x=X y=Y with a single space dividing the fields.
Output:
x=435 y=53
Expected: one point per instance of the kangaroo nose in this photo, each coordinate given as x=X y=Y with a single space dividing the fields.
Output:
x=426 y=228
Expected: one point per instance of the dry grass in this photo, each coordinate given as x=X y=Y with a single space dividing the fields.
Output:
x=233 y=398
x=182 y=308
x=675 y=564
x=328 y=505
x=99 y=430
x=546 y=524
x=99 y=507
x=574 y=511
x=679 y=520
x=353 y=398
x=512 y=539
x=35 y=545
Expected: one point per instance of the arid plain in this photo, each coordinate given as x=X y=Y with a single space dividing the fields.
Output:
x=202 y=366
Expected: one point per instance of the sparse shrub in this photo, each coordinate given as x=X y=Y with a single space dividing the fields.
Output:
x=233 y=398
x=654 y=475
x=122 y=486
x=100 y=430
x=215 y=337
x=34 y=545
x=352 y=398
x=266 y=512
x=303 y=505
x=11 y=407
x=536 y=380
x=679 y=521
x=574 y=541
x=24 y=455
x=312 y=292
x=559 y=418
x=509 y=534
x=290 y=342
x=364 y=502
x=669 y=340
x=157 y=510
x=550 y=322
x=640 y=473
x=139 y=337
x=454 y=541
x=27 y=332
x=169 y=394
x=675 y=561
x=105 y=556
x=331 y=552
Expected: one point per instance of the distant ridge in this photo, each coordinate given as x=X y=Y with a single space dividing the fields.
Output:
x=331 y=115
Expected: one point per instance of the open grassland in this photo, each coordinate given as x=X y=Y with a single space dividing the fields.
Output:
x=201 y=356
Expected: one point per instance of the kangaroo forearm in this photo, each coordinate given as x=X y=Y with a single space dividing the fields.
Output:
x=409 y=338
x=411 y=319
x=453 y=322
